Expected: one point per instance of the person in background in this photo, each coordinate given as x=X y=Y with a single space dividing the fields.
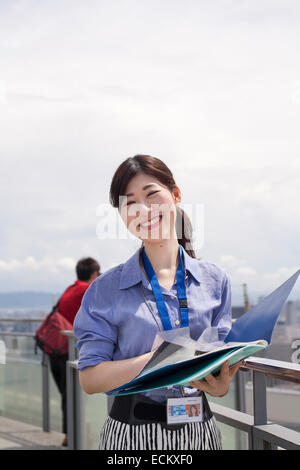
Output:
x=87 y=270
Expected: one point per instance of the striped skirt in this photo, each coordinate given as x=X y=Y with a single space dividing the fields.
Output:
x=203 y=435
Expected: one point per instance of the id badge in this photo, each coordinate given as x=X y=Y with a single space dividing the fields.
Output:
x=184 y=410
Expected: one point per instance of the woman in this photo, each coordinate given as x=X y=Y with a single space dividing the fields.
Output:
x=119 y=315
x=193 y=411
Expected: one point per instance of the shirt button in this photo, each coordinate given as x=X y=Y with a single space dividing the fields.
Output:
x=177 y=322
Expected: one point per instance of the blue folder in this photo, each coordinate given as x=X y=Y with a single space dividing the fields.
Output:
x=259 y=322
x=172 y=364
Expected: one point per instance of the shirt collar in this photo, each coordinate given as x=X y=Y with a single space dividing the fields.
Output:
x=80 y=283
x=132 y=274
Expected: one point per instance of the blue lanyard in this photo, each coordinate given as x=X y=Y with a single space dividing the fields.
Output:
x=181 y=292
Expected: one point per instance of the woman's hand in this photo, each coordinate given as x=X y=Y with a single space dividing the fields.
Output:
x=217 y=386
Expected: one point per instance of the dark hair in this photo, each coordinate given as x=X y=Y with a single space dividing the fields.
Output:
x=86 y=267
x=157 y=168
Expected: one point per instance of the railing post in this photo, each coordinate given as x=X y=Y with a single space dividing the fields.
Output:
x=73 y=351
x=240 y=401
x=45 y=393
x=259 y=398
x=72 y=348
x=80 y=433
x=75 y=409
x=70 y=407
x=260 y=409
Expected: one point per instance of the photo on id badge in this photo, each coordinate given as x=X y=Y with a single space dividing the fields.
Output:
x=184 y=410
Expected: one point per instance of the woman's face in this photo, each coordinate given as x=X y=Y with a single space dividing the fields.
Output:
x=149 y=210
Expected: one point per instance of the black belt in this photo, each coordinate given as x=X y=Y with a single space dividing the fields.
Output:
x=138 y=409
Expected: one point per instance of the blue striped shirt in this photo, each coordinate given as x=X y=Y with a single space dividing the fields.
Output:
x=114 y=321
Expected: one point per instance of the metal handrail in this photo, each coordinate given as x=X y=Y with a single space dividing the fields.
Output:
x=288 y=371
x=69 y=333
x=16 y=333
x=21 y=320
x=265 y=436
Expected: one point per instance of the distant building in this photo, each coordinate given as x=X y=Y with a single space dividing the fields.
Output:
x=237 y=311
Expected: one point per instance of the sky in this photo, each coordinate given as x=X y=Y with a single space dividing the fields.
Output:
x=210 y=88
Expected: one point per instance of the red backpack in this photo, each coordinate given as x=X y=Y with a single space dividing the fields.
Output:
x=48 y=336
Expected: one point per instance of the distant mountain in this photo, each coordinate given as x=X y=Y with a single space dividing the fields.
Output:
x=28 y=299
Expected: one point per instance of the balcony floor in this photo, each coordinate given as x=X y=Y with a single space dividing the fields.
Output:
x=15 y=435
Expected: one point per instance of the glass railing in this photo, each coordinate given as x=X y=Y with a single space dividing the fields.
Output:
x=95 y=414
x=21 y=391
x=21 y=395
x=232 y=439
x=22 y=398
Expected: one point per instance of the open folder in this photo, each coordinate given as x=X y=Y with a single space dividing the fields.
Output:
x=177 y=362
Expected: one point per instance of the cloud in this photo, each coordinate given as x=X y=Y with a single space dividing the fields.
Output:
x=30 y=264
x=47 y=274
x=210 y=88
x=258 y=283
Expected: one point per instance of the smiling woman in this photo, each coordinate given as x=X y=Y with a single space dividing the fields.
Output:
x=143 y=182
x=129 y=304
